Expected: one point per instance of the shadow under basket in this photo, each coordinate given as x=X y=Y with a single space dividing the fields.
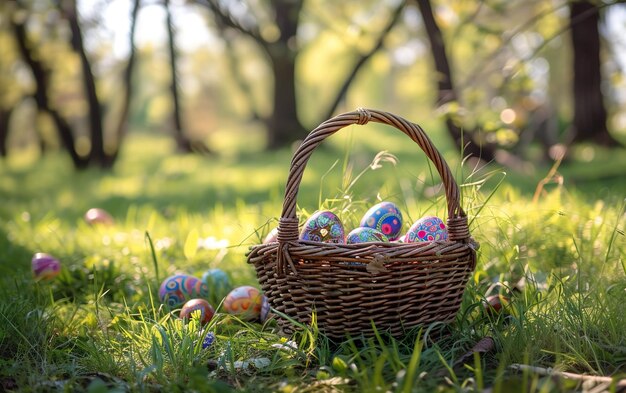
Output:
x=351 y=287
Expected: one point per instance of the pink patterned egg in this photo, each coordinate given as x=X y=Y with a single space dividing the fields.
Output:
x=323 y=226
x=97 y=216
x=271 y=237
x=177 y=289
x=45 y=267
x=245 y=302
x=426 y=229
x=384 y=217
x=364 y=235
x=206 y=310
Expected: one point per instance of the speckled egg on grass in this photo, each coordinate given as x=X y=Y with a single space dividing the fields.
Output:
x=323 y=226
x=385 y=217
x=177 y=289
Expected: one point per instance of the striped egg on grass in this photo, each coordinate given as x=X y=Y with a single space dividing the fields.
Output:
x=179 y=288
x=385 y=217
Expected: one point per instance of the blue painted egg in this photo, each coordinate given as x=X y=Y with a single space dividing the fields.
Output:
x=384 y=217
x=364 y=235
x=323 y=226
x=426 y=229
x=177 y=289
x=217 y=282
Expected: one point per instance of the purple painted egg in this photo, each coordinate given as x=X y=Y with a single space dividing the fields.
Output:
x=426 y=229
x=97 y=216
x=176 y=290
x=245 y=302
x=265 y=309
x=45 y=267
x=323 y=226
x=364 y=235
x=384 y=217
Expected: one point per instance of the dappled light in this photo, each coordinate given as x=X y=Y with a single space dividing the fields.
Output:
x=191 y=200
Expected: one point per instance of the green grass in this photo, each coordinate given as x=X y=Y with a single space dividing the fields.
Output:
x=99 y=325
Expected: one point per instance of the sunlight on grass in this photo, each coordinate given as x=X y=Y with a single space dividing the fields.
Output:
x=560 y=262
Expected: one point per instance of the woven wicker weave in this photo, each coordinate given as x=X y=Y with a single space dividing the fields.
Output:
x=396 y=286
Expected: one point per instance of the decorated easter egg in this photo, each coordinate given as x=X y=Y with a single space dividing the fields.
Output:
x=45 y=267
x=364 y=235
x=208 y=340
x=176 y=290
x=206 y=310
x=265 y=309
x=323 y=226
x=245 y=302
x=384 y=217
x=217 y=282
x=271 y=237
x=97 y=216
x=495 y=303
x=427 y=229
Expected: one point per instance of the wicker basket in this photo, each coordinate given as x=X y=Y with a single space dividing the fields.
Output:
x=395 y=286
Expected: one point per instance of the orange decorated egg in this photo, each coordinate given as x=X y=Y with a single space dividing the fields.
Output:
x=245 y=302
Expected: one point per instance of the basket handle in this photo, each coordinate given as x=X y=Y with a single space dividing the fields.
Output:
x=288 y=225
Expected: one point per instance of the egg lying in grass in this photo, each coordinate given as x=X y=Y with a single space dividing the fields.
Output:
x=217 y=282
x=176 y=290
x=365 y=235
x=271 y=237
x=323 y=226
x=384 y=217
x=426 y=229
x=245 y=302
x=201 y=305
x=97 y=216
x=265 y=309
x=45 y=267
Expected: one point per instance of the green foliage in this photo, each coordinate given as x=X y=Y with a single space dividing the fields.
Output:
x=99 y=326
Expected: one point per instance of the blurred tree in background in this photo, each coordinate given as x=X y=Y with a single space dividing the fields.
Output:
x=509 y=79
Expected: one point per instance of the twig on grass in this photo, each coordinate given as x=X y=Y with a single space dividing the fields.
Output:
x=621 y=383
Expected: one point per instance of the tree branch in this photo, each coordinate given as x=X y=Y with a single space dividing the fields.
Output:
x=224 y=18
x=362 y=60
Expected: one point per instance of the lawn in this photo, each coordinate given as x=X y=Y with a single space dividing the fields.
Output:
x=99 y=326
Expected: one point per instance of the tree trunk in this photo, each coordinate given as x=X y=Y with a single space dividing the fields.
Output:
x=122 y=121
x=182 y=142
x=97 y=154
x=40 y=74
x=589 y=112
x=284 y=126
x=463 y=139
x=5 y=118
